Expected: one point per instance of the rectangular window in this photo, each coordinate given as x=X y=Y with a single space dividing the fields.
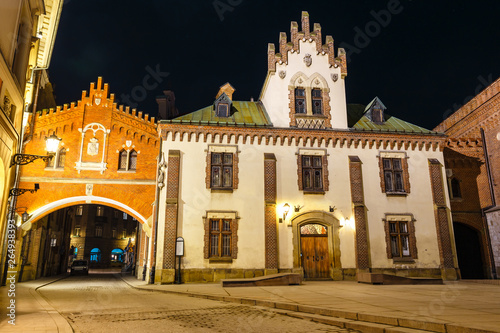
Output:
x=100 y=211
x=300 y=100
x=77 y=232
x=124 y=235
x=393 y=175
x=223 y=110
x=125 y=216
x=312 y=173
x=222 y=170
x=116 y=214
x=317 y=101
x=61 y=158
x=79 y=210
x=399 y=239
x=98 y=231
x=220 y=238
x=113 y=233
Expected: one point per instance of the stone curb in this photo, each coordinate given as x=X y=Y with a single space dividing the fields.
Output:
x=354 y=320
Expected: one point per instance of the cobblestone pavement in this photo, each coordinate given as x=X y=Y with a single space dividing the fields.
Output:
x=104 y=303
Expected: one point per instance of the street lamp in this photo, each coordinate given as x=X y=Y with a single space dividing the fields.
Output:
x=15 y=192
x=51 y=144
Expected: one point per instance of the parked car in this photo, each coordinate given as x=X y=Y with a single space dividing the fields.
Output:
x=80 y=267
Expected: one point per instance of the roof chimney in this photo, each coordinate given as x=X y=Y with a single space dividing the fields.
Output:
x=166 y=105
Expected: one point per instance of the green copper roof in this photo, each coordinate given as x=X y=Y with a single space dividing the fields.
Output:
x=242 y=114
x=357 y=119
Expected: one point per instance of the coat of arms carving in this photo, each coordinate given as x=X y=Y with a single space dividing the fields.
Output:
x=335 y=77
x=93 y=147
x=282 y=74
x=308 y=60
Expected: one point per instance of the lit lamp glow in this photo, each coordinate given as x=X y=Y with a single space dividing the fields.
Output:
x=52 y=143
x=285 y=209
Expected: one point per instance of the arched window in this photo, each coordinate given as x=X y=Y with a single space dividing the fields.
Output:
x=122 y=163
x=300 y=100
x=95 y=255
x=58 y=159
x=132 y=160
x=127 y=161
x=317 y=101
x=61 y=158
x=117 y=255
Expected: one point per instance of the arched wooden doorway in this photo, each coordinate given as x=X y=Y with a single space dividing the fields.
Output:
x=468 y=244
x=316 y=245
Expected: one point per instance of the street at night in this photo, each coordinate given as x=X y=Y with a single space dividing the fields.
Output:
x=104 y=303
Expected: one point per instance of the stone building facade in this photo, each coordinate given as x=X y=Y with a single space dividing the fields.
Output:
x=472 y=158
x=26 y=42
x=300 y=182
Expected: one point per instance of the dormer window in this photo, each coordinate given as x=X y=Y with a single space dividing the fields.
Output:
x=222 y=110
x=317 y=101
x=300 y=100
x=377 y=115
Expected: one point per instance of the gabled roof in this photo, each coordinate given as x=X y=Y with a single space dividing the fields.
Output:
x=357 y=120
x=373 y=102
x=244 y=114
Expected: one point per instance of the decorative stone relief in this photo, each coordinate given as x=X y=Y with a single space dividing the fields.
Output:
x=282 y=74
x=308 y=60
x=93 y=147
x=88 y=189
x=335 y=77
x=161 y=172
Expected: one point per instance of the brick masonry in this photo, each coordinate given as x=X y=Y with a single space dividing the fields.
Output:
x=171 y=209
x=358 y=201
x=271 y=232
x=441 y=214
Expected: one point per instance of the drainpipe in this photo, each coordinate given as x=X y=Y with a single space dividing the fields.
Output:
x=156 y=214
x=493 y=202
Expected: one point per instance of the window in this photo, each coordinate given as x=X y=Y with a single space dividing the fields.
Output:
x=100 y=211
x=317 y=101
x=113 y=233
x=116 y=214
x=312 y=171
x=98 y=231
x=77 y=232
x=222 y=170
x=394 y=177
x=95 y=255
x=127 y=160
x=455 y=189
x=124 y=234
x=79 y=210
x=125 y=216
x=312 y=178
x=220 y=238
x=222 y=110
x=58 y=159
x=400 y=237
x=300 y=100
x=377 y=115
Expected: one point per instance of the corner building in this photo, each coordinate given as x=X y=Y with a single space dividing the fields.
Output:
x=300 y=182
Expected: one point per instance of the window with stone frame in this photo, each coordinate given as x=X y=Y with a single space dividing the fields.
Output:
x=394 y=177
x=317 y=101
x=400 y=237
x=222 y=168
x=221 y=237
x=300 y=100
x=312 y=171
x=455 y=192
x=58 y=159
x=98 y=231
x=127 y=160
x=79 y=210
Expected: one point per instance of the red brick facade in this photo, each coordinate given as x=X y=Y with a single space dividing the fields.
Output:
x=131 y=191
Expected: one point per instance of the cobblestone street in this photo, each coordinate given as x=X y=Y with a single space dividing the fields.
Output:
x=104 y=303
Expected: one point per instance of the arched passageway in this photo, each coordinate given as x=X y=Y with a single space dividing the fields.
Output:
x=470 y=260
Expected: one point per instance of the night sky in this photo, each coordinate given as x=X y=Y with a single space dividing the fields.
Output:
x=423 y=59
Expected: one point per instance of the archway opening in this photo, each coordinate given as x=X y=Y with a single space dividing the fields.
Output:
x=468 y=244
x=117 y=256
x=95 y=255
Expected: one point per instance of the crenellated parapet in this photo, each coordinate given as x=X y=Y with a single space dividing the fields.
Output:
x=306 y=35
x=98 y=96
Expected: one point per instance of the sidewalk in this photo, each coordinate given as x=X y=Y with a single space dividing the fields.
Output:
x=453 y=307
x=32 y=312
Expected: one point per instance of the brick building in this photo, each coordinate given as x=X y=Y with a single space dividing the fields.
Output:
x=299 y=182
x=107 y=156
x=472 y=158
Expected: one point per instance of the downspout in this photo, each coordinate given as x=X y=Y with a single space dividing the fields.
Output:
x=493 y=203
x=156 y=215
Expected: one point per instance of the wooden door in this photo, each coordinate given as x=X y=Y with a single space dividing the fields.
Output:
x=315 y=259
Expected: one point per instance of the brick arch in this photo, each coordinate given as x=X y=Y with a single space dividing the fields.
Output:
x=40 y=212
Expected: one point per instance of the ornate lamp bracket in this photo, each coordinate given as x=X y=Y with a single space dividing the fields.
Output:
x=23 y=159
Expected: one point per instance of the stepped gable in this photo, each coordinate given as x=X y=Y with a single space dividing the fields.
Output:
x=306 y=34
x=97 y=98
